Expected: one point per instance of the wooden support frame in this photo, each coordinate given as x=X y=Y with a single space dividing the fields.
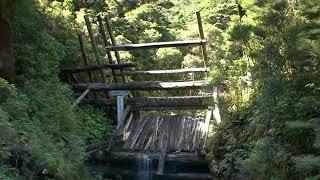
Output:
x=84 y=54
x=147 y=85
x=201 y=34
x=114 y=43
x=166 y=72
x=128 y=47
x=94 y=46
x=95 y=67
x=105 y=41
x=165 y=141
x=80 y=98
x=158 y=103
x=118 y=128
x=120 y=104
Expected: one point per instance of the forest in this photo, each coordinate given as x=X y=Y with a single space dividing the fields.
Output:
x=265 y=52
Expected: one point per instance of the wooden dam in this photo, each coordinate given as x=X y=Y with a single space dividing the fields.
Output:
x=147 y=125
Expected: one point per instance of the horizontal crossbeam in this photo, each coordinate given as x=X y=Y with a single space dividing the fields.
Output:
x=147 y=86
x=140 y=102
x=97 y=67
x=128 y=47
x=173 y=71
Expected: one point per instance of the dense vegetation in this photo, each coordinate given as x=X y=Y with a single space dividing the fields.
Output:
x=267 y=52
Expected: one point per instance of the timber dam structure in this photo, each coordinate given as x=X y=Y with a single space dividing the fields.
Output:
x=155 y=137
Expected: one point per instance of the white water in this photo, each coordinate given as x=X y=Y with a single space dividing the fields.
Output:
x=144 y=167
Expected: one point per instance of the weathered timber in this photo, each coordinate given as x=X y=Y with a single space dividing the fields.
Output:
x=128 y=47
x=94 y=47
x=118 y=128
x=134 y=135
x=201 y=34
x=182 y=157
x=114 y=43
x=105 y=41
x=173 y=71
x=154 y=85
x=155 y=101
x=168 y=108
x=90 y=148
x=163 y=144
x=96 y=67
x=186 y=133
x=143 y=136
x=84 y=54
x=127 y=124
x=116 y=172
x=80 y=98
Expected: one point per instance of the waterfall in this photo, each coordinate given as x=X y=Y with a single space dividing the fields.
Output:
x=144 y=164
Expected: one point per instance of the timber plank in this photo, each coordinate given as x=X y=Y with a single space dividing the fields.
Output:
x=128 y=47
x=94 y=67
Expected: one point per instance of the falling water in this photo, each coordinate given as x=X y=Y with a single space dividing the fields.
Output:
x=144 y=167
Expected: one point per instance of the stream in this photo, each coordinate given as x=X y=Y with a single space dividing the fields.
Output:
x=145 y=167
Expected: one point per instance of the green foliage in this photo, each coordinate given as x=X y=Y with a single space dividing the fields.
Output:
x=95 y=124
x=169 y=58
x=307 y=165
x=274 y=47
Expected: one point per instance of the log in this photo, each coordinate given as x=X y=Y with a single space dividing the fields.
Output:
x=201 y=34
x=163 y=146
x=155 y=101
x=117 y=130
x=96 y=67
x=77 y=101
x=182 y=157
x=114 y=42
x=173 y=71
x=131 y=173
x=148 y=85
x=94 y=46
x=105 y=41
x=84 y=54
x=128 y=47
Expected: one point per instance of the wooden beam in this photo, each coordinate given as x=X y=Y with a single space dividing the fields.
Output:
x=156 y=101
x=84 y=54
x=80 y=98
x=163 y=146
x=201 y=34
x=96 y=67
x=183 y=157
x=155 y=85
x=105 y=41
x=118 y=128
x=94 y=47
x=168 y=108
x=173 y=71
x=114 y=43
x=129 y=47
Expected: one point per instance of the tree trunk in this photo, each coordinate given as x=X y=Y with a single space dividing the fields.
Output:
x=7 y=70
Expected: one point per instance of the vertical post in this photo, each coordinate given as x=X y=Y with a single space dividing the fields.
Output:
x=84 y=54
x=94 y=46
x=120 y=108
x=105 y=41
x=120 y=105
x=164 y=146
x=114 y=43
x=203 y=45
